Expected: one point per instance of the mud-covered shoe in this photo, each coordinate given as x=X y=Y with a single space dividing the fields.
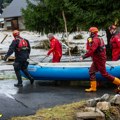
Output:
x=18 y=85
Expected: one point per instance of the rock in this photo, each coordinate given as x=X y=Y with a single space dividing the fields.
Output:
x=89 y=115
x=105 y=97
x=115 y=100
x=95 y=110
x=93 y=102
x=103 y=105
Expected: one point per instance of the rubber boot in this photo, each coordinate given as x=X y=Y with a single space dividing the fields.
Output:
x=19 y=84
x=93 y=85
x=117 y=82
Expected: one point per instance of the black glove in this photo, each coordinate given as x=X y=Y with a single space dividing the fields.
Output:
x=5 y=58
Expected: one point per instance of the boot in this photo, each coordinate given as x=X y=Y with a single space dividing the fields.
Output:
x=18 y=85
x=31 y=81
x=116 y=81
x=93 y=85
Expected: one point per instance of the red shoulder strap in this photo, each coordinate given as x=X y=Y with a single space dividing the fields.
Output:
x=22 y=43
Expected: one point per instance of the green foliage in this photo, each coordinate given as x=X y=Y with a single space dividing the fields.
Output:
x=46 y=16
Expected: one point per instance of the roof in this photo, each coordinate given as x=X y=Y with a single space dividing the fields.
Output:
x=14 y=9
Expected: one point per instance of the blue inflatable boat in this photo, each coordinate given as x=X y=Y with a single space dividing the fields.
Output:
x=70 y=70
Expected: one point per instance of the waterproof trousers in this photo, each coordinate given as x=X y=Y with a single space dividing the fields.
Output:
x=100 y=66
x=56 y=59
x=22 y=66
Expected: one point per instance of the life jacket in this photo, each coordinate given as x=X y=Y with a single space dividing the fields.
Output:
x=101 y=45
x=23 y=45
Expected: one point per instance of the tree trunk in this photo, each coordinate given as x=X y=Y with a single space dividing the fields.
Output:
x=63 y=14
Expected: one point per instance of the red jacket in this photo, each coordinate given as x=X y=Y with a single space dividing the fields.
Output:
x=55 y=47
x=96 y=49
x=115 y=44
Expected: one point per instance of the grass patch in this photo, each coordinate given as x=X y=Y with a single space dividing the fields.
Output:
x=63 y=112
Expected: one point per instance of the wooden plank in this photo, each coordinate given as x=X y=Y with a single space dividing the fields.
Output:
x=11 y=58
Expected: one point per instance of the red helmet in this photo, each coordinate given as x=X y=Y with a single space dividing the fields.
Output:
x=16 y=33
x=112 y=27
x=93 y=30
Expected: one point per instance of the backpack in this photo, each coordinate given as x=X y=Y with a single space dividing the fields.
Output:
x=101 y=46
x=23 y=45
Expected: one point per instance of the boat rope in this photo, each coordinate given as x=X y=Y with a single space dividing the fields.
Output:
x=110 y=66
x=43 y=58
x=38 y=63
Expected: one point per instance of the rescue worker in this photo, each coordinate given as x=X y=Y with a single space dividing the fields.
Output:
x=97 y=51
x=55 y=48
x=21 y=47
x=115 y=43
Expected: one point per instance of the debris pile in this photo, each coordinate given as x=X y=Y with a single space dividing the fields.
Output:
x=104 y=108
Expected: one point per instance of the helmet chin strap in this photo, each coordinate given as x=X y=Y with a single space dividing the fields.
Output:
x=114 y=32
x=92 y=35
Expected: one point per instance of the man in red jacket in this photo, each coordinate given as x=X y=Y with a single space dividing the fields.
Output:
x=55 y=48
x=115 y=43
x=97 y=50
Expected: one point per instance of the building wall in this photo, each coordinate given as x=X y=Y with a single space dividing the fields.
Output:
x=5 y=24
x=21 y=23
x=9 y=23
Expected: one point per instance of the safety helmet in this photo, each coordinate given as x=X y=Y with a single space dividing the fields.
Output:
x=16 y=33
x=93 y=30
x=112 y=27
